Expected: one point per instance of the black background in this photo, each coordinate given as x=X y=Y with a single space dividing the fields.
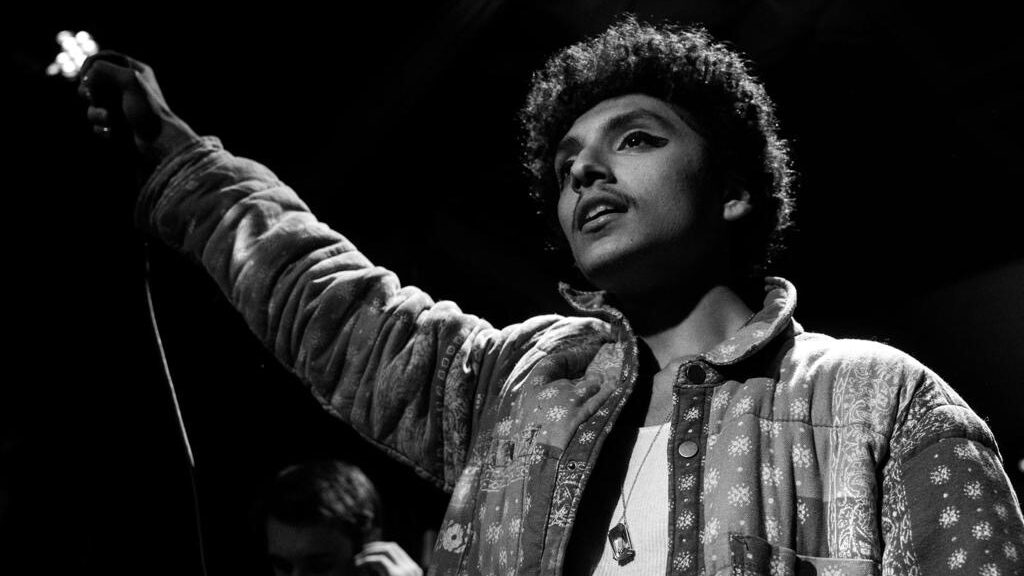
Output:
x=397 y=124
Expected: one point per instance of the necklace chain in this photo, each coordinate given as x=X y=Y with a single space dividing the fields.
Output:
x=622 y=546
x=625 y=497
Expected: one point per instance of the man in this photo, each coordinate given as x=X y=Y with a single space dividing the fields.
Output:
x=677 y=424
x=324 y=518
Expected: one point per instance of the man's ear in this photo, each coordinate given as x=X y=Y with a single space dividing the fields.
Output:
x=737 y=202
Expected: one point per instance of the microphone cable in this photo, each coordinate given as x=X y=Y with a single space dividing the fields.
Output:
x=75 y=49
x=177 y=409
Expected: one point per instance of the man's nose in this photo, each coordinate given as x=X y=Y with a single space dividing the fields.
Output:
x=588 y=168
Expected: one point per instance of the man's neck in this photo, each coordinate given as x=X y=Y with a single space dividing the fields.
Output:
x=676 y=323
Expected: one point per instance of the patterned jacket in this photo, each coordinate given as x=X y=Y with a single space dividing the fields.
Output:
x=789 y=450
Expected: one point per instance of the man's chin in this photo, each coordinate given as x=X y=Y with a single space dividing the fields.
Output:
x=630 y=273
x=610 y=272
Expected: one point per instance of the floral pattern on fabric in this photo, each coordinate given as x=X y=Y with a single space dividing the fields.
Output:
x=952 y=509
x=793 y=429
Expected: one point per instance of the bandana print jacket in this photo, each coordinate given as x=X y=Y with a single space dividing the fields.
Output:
x=789 y=450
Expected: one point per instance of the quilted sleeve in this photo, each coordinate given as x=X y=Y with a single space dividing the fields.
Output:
x=405 y=371
x=948 y=506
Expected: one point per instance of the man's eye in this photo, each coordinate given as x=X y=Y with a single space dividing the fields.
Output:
x=564 y=171
x=638 y=138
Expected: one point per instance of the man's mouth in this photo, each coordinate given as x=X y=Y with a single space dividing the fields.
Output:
x=595 y=210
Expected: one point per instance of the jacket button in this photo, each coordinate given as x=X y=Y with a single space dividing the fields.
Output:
x=695 y=374
x=688 y=449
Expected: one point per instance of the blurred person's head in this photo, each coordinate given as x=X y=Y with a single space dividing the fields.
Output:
x=317 y=516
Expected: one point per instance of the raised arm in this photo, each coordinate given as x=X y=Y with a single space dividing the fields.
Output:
x=409 y=373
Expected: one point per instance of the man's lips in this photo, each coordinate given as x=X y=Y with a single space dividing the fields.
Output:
x=594 y=205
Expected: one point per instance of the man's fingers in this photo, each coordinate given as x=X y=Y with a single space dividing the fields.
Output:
x=381 y=564
x=125 y=103
x=113 y=86
x=378 y=564
x=387 y=558
x=382 y=547
x=390 y=549
x=109 y=71
x=105 y=82
x=115 y=58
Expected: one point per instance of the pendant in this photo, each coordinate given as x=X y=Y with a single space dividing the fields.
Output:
x=622 y=546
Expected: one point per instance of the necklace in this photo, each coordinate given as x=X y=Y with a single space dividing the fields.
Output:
x=622 y=545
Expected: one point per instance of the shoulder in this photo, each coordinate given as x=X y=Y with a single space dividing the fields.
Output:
x=869 y=360
x=823 y=351
x=894 y=391
x=819 y=356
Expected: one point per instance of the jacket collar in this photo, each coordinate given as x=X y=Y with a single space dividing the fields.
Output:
x=774 y=318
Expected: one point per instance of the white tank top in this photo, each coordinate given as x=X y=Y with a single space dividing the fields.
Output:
x=647 y=508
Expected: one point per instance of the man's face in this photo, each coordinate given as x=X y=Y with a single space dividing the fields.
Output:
x=308 y=550
x=634 y=202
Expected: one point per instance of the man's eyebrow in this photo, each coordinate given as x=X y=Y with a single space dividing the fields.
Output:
x=620 y=121
x=571 y=144
x=568 y=145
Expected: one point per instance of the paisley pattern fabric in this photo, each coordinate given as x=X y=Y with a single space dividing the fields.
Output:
x=790 y=452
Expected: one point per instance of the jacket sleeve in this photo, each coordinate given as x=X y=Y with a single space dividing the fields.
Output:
x=948 y=506
x=408 y=373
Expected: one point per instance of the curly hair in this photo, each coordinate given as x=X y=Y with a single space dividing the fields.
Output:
x=324 y=491
x=685 y=68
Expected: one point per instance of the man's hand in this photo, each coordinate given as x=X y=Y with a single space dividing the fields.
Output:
x=386 y=559
x=125 y=101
